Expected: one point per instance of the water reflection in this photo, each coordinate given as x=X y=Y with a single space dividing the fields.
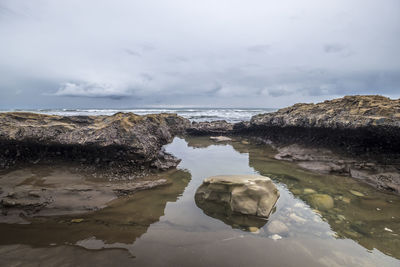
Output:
x=225 y=214
x=164 y=226
x=353 y=210
x=122 y=222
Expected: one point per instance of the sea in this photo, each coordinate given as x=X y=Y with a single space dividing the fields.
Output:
x=193 y=114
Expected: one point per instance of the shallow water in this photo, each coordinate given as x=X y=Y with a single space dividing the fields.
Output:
x=164 y=227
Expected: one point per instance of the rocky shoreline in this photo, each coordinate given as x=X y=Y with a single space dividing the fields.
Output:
x=356 y=124
x=123 y=143
x=356 y=136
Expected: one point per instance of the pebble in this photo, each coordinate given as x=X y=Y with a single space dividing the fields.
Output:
x=309 y=191
x=296 y=191
x=389 y=230
x=254 y=230
x=356 y=193
x=346 y=200
x=322 y=201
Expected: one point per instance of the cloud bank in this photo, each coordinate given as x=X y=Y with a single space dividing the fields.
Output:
x=208 y=53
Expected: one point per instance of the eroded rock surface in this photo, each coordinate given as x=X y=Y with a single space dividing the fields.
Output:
x=357 y=123
x=60 y=190
x=210 y=128
x=347 y=112
x=358 y=136
x=232 y=196
x=124 y=141
x=381 y=173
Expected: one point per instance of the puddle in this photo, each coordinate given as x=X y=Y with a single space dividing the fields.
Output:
x=319 y=220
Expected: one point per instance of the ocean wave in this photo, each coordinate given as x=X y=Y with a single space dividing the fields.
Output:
x=199 y=114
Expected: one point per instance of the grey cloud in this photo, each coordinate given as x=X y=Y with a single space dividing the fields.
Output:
x=340 y=49
x=334 y=48
x=145 y=52
x=147 y=77
x=132 y=53
x=147 y=47
x=4 y=11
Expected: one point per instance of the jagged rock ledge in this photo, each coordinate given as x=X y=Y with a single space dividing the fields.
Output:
x=354 y=123
x=357 y=123
x=123 y=142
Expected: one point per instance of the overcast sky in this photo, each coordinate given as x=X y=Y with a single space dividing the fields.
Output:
x=220 y=53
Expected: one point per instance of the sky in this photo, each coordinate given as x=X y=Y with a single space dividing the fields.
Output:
x=186 y=53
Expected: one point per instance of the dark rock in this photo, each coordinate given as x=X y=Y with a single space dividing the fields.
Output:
x=355 y=123
x=124 y=140
x=383 y=176
x=241 y=126
x=210 y=128
x=358 y=136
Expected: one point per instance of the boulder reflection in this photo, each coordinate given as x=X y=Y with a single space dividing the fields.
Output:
x=225 y=214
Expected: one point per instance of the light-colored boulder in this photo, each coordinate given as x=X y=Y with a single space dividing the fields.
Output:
x=322 y=201
x=244 y=194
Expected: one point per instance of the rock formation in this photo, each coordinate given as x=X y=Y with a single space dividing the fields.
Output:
x=240 y=200
x=382 y=173
x=358 y=123
x=123 y=140
x=210 y=128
